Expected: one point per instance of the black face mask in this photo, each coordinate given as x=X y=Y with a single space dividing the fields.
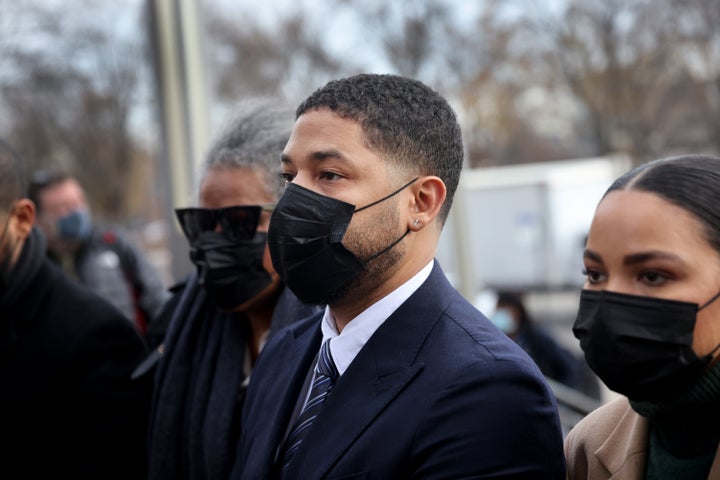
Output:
x=640 y=346
x=305 y=241
x=230 y=271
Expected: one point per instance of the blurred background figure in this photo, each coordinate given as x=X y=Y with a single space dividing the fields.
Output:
x=576 y=388
x=554 y=360
x=68 y=406
x=219 y=319
x=99 y=257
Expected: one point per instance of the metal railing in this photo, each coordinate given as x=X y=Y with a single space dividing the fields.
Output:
x=572 y=404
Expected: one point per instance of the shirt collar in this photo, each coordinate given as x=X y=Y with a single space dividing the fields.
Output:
x=346 y=345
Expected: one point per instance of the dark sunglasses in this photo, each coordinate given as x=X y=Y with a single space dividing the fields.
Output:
x=237 y=223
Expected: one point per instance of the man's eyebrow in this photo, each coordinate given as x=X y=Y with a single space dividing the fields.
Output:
x=318 y=156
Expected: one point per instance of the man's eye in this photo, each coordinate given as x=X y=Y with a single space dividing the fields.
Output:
x=287 y=177
x=330 y=176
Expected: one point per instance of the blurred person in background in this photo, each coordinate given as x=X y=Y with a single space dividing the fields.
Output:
x=100 y=258
x=649 y=325
x=67 y=404
x=555 y=361
x=219 y=320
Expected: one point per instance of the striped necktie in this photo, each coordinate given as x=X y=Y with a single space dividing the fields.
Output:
x=325 y=375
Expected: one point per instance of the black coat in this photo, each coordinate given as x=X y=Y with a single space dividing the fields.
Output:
x=200 y=384
x=67 y=405
x=436 y=392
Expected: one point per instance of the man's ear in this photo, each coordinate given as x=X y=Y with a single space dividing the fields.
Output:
x=23 y=215
x=428 y=198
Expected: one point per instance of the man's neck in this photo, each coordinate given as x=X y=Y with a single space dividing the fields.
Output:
x=361 y=298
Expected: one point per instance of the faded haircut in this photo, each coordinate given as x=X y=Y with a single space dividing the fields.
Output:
x=406 y=122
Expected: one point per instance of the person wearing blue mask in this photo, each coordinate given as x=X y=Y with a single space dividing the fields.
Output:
x=555 y=361
x=100 y=258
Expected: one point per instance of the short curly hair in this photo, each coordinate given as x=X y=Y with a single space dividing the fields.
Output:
x=403 y=120
x=254 y=138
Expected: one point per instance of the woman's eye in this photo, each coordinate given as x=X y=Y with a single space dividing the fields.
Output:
x=653 y=278
x=593 y=276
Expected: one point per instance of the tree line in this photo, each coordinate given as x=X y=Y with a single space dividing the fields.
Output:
x=531 y=80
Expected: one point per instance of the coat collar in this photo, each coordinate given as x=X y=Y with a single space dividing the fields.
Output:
x=624 y=452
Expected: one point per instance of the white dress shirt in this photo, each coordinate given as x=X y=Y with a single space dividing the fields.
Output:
x=346 y=345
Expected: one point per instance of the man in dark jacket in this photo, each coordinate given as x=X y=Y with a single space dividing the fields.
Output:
x=68 y=406
x=99 y=257
x=399 y=377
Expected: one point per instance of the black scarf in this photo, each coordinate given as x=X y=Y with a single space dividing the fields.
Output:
x=199 y=375
x=200 y=386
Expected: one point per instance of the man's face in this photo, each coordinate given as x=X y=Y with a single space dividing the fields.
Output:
x=227 y=187
x=56 y=202
x=328 y=155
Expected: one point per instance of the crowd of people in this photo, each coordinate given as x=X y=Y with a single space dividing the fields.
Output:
x=318 y=336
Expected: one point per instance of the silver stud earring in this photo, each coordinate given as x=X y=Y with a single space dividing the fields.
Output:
x=416 y=222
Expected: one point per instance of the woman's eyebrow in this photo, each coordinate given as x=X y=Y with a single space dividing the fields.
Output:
x=651 y=255
x=590 y=255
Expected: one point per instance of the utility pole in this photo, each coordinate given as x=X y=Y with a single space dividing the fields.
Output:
x=176 y=36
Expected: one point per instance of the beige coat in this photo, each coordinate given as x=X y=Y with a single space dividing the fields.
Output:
x=611 y=443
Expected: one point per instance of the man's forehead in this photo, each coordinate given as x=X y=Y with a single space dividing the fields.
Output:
x=66 y=193
x=321 y=135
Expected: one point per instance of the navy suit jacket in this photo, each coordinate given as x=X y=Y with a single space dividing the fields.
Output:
x=437 y=392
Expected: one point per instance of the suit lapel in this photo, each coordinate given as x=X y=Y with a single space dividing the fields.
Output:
x=293 y=359
x=384 y=366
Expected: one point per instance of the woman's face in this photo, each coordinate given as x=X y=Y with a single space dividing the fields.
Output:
x=641 y=244
x=226 y=187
